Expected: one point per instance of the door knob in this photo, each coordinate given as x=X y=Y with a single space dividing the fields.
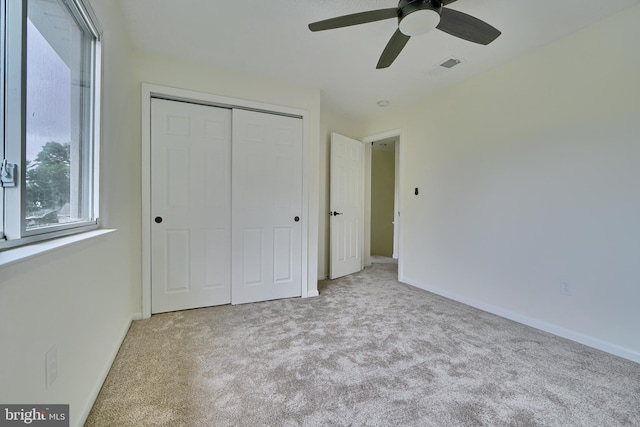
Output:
x=296 y=219
x=335 y=213
x=158 y=219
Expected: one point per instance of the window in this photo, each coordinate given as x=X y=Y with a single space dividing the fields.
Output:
x=50 y=68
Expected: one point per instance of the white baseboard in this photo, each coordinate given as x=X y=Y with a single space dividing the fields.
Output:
x=587 y=340
x=91 y=398
x=313 y=294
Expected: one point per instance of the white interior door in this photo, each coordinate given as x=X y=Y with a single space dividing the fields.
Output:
x=347 y=205
x=266 y=207
x=190 y=205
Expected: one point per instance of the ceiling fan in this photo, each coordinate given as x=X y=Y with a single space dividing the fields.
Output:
x=416 y=17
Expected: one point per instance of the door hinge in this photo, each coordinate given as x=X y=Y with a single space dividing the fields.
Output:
x=8 y=174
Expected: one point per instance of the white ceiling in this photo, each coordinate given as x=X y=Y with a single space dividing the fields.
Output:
x=271 y=38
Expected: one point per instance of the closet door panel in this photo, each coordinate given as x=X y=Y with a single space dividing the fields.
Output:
x=190 y=206
x=266 y=207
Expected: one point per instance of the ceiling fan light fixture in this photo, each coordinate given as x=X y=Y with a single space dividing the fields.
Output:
x=416 y=17
x=419 y=22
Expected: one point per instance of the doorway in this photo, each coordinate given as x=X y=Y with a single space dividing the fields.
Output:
x=383 y=198
x=391 y=140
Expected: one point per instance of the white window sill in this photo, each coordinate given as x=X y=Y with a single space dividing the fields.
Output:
x=23 y=253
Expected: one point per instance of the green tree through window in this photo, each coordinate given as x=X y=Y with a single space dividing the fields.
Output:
x=48 y=183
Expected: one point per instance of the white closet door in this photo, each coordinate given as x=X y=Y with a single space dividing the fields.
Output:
x=266 y=207
x=190 y=205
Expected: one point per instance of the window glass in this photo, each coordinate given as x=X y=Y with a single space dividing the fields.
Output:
x=58 y=116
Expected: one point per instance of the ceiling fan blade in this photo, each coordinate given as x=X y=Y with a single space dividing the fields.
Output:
x=354 y=19
x=467 y=27
x=393 y=49
x=446 y=2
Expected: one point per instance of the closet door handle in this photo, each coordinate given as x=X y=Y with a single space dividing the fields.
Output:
x=334 y=213
x=296 y=219
x=158 y=219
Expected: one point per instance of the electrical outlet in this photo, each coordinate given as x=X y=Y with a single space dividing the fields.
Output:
x=51 y=365
x=565 y=288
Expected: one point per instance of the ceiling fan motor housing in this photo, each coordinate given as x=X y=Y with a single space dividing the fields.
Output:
x=425 y=20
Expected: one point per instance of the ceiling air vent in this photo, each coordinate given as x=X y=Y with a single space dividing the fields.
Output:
x=450 y=63
x=443 y=68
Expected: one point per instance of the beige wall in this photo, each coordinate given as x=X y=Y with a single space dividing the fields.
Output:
x=382 y=198
x=529 y=177
x=80 y=298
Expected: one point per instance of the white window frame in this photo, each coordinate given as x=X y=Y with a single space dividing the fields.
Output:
x=3 y=34
x=13 y=231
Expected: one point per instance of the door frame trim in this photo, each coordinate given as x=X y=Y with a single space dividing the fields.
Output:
x=150 y=91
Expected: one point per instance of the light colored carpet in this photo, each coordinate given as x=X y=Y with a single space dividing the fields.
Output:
x=369 y=351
